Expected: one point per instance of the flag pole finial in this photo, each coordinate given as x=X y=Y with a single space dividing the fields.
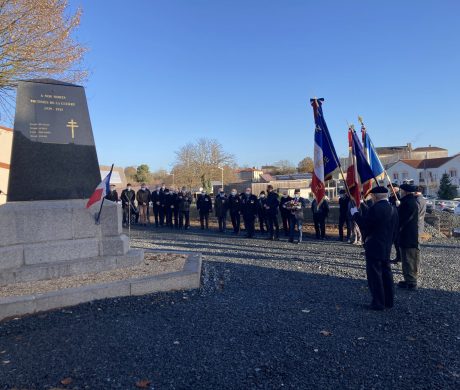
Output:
x=360 y=119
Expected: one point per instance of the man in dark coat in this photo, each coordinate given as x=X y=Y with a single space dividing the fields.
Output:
x=162 y=210
x=155 y=198
x=249 y=211
x=113 y=194
x=127 y=202
x=271 y=207
x=285 y=214
x=296 y=208
x=320 y=214
x=204 y=207
x=395 y=200
x=234 y=205
x=261 y=212
x=221 y=208
x=344 y=214
x=143 y=199
x=168 y=201
x=408 y=212
x=175 y=194
x=379 y=226
x=184 y=200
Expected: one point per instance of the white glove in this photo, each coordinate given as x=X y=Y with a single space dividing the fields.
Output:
x=398 y=202
x=353 y=211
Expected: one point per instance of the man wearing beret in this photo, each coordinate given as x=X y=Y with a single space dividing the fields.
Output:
x=379 y=226
x=408 y=236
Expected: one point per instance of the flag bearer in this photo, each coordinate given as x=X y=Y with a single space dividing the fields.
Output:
x=249 y=211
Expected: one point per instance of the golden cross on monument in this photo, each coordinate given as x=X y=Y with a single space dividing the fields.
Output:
x=73 y=125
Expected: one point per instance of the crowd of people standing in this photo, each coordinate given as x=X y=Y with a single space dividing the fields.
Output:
x=379 y=223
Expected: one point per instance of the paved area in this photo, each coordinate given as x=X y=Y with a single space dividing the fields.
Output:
x=270 y=315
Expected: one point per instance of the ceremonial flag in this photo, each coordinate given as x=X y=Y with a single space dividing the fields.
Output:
x=362 y=166
x=353 y=184
x=371 y=157
x=325 y=157
x=101 y=191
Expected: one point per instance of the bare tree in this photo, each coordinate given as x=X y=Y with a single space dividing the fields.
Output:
x=284 y=167
x=35 y=42
x=197 y=164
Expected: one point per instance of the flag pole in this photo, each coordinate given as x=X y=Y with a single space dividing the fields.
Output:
x=98 y=218
x=360 y=119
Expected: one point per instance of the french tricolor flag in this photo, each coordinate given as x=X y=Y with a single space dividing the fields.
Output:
x=324 y=154
x=101 y=191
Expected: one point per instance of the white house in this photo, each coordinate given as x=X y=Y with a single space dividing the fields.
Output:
x=427 y=172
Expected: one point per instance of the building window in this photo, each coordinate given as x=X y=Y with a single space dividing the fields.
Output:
x=395 y=176
x=452 y=172
x=405 y=175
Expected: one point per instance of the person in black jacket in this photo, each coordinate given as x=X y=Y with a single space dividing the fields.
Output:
x=221 y=208
x=175 y=194
x=143 y=199
x=204 y=207
x=261 y=212
x=285 y=213
x=408 y=236
x=156 y=204
x=344 y=214
x=380 y=226
x=127 y=202
x=395 y=200
x=234 y=205
x=320 y=214
x=113 y=194
x=168 y=201
x=249 y=211
x=184 y=200
x=271 y=208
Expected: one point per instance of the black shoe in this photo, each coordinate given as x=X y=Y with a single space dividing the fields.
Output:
x=374 y=307
x=408 y=286
x=291 y=240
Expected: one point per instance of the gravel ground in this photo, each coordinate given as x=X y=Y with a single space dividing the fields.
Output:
x=154 y=264
x=269 y=315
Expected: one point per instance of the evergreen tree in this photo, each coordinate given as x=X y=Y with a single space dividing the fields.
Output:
x=446 y=189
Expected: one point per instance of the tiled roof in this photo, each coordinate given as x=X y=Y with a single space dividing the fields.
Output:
x=428 y=149
x=428 y=163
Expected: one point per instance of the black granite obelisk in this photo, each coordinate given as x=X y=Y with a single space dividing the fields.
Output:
x=54 y=155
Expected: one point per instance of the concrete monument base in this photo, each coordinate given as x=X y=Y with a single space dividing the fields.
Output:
x=42 y=240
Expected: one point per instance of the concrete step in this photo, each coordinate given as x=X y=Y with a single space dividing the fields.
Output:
x=187 y=278
x=45 y=271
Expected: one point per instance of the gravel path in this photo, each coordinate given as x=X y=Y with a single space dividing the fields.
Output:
x=270 y=315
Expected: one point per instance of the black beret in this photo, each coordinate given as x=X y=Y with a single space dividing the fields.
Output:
x=395 y=185
x=379 y=190
x=342 y=191
x=408 y=187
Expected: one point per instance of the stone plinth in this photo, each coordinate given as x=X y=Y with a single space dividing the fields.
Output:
x=47 y=239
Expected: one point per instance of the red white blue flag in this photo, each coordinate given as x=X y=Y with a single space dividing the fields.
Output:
x=354 y=186
x=371 y=157
x=325 y=158
x=101 y=191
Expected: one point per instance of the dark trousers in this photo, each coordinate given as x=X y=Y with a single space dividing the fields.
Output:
x=380 y=280
x=156 y=213
x=262 y=222
x=320 y=225
x=236 y=221
x=249 y=221
x=292 y=223
x=410 y=262
x=184 y=216
x=286 y=218
x=343 y=220
x=169 y=217
x=273 y=226
x=204 y=219
x=176 y=218
x=161 y=216
x=222 y=220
